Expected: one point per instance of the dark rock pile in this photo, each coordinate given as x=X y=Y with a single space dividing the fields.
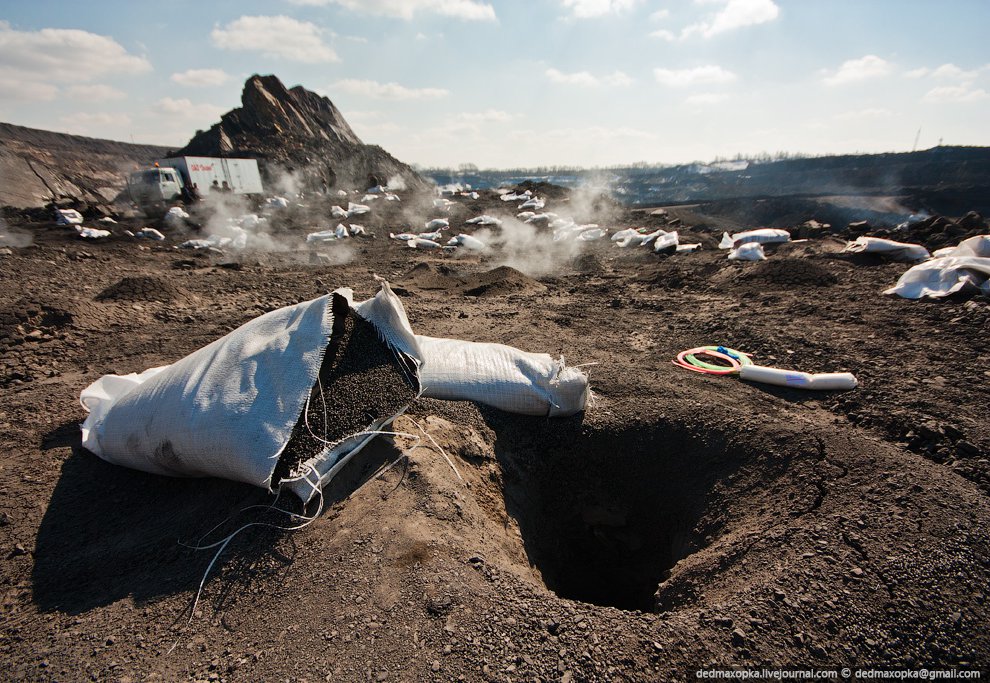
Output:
x=296 y=130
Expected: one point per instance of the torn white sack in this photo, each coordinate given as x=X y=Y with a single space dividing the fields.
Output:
x=751 y=251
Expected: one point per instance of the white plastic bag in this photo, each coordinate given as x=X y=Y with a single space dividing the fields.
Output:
x=68 y=217
x=966 y=265
x=901 y=251
x=751 y=251
x=759 y=236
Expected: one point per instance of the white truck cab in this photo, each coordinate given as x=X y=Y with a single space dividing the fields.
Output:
x=155 y=189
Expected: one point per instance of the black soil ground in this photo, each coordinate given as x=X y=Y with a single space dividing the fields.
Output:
x=683 y=521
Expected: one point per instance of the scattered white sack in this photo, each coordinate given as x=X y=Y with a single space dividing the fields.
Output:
x=108 y=220
x=149 y=234
x=437 y=224
x=650 y=237
x=277 y=203
x=341 y=193
x=338 y=212
x=688 y=247
x=389 y=197
x=68 y=217
x=525 y=215
x=443 y=204
x=357 y=229
x=341 y=232
x=592 y=235
x=420 y=243
x=501 y=376
x=403 y=236
x=535 y=203
x=540 y=218
x=91 y=233
x=321 y=236
x=627 y=237
x=666 y=241
x=377 y=189
x=357 y=209
x=900 y=251
x=484 y=220
x=471 y=195
x=175 y=216
x=751 y=251
x=467 y=241
x=759 y=236
x=369 y=197
x=196 y=244
x=249 y=221
x=433 y=236
x=966 y=266
x=825 y=381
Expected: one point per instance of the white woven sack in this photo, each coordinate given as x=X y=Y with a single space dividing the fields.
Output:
x=500 y=376
x=226 y=410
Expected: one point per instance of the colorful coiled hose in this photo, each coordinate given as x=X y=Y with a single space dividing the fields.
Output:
x=689 y=360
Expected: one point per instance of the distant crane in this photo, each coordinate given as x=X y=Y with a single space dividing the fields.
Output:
x=916 y=138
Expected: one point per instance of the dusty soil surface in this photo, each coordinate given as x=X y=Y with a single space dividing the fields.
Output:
x=683 y=521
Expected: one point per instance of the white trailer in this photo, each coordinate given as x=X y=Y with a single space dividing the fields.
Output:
x=241 y=175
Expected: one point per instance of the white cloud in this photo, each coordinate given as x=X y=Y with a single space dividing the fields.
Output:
x=31 y=61
x=586 y=9
x=89 y=121
x=734 y=15
x=956 y=93
x=471 y=10
x=200 y=78
x=94 y=93
x=660 y=15
x=663 y=34
x=864 y=68
x=185 y=109
x=678 y=78
x=706 y=98
x=17 y=90
x=278 y=36
x=870 y=113
x=918 y=73
x=387 y=91
x=587 y=80
x=487 y=116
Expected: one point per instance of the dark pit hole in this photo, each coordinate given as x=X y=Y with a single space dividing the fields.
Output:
x=604 y=517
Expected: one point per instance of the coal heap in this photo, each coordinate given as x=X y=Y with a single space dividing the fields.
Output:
x=296 y=130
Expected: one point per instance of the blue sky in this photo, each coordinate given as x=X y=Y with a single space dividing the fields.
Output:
x=518 y=83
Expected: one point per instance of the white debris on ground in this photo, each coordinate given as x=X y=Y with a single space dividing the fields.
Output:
x=357 y=230
x=468 y=242
x=91 y=233
x=321 y=236
x=965 y=266
x=175 y=217
x=149 y=234
x=356 y=209
x=484 y=220
x=420 y=243
x=403 y=236
x=277 y=203
x=68 y=217
x=759 y=236
x=108 y=220
x=437 y=224
x=750 y=251
x=898 y=251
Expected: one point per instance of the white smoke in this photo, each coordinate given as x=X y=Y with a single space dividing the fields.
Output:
x=396 y=183
x=10 y=237
x=529 y=249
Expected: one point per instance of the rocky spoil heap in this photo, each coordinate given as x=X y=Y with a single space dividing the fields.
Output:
x=296 y=130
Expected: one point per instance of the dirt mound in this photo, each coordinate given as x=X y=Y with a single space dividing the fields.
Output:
x=142 y=288
x=292 y=128
x=790 y=273
x=429 y=276
x=499 y=282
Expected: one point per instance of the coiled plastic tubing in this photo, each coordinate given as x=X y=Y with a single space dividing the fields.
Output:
x=689 y=360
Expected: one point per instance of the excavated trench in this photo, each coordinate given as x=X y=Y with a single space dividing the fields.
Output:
x=605 y=516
